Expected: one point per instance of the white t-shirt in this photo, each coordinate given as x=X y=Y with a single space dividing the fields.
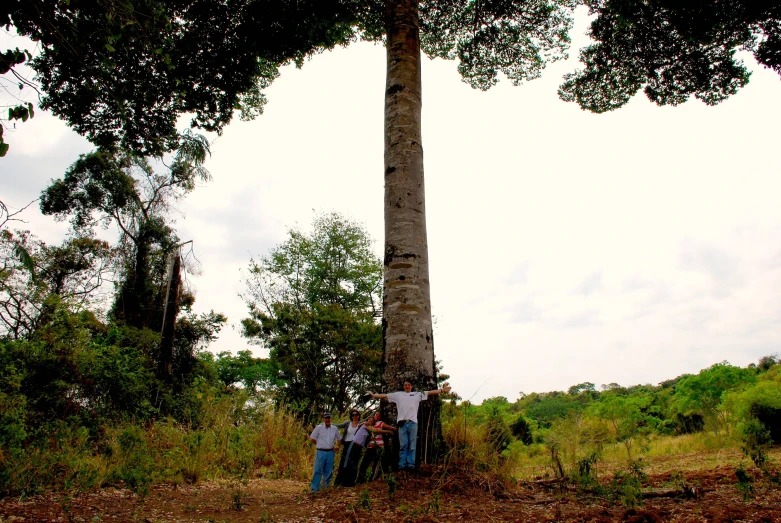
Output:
x=407 y=404
x=349 y=433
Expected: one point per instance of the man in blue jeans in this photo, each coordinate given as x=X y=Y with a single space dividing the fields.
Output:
x=326 y=438
x=407 y=403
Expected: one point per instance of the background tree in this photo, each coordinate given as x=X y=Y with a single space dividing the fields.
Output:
x=626 y=415
x=73 y=273
x=314 y=303
x=256 y=375
x=111 y=186
x=13 y=83
x=704 y=392
x=760 y=401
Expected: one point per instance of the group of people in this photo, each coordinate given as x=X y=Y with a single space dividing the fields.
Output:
x=363 y=441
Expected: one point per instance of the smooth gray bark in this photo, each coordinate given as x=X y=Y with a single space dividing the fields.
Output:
x=408 y=341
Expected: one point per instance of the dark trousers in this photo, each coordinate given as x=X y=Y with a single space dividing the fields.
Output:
x=368 y=464
x=348 y=468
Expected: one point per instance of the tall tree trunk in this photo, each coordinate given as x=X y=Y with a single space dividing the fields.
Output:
x=170 y=310
x=408 y=343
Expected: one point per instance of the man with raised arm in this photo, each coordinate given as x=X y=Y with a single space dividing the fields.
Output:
x=407 y=403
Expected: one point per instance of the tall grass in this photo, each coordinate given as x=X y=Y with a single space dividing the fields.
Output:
x=234 y=439
x=470 y=446
x=665 y=453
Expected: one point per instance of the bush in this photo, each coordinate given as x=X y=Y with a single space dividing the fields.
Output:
x=521 y=429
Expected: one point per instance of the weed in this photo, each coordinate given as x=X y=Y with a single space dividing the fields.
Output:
x=627 y=489
x=364 y=500
x=586 y=475
x=238 y=499
x=628 y=486
x=434 y=504
x=755 y=438
x=65 y=505
x=677 y=480
x=390 y=479
x=745 y=483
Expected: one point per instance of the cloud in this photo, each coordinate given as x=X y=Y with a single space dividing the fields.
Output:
x=590 y=284
x=637 y=283
x=576 y=321
x=720 y=265
x=519 y=275
x=524 y=312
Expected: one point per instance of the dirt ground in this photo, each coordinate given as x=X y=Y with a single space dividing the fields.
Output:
x=431 y=495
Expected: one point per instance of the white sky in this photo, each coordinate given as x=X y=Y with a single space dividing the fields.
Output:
x=564 y=246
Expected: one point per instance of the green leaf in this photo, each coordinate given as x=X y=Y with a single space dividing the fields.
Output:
x=25 y=258
x=110 y=48
x=30 y=109
x=3 y=149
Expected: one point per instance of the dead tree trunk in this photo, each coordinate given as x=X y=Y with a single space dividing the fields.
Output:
x=170 y=311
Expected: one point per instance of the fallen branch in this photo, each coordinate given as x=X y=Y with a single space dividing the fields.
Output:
x=686 y=492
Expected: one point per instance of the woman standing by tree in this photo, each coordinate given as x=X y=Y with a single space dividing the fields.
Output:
x=350 y=428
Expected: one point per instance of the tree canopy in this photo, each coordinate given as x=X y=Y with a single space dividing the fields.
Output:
x=314 y=304
x=672 y=50
x=124 y=71
x=121 y=71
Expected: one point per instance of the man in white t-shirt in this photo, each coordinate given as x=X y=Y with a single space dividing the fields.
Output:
x=407 y=403
x=326 y=438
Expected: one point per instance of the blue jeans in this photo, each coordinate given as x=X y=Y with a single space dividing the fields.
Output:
x=324 y=469
x=408 y=439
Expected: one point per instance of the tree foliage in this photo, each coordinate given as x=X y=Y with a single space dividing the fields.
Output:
x=672 y=50
x=73 y=273
x=704 y=392
x=113 y=186
x=627 y=415
x=122 y=72
x=313 y=303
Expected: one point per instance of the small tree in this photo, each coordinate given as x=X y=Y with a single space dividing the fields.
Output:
x=626 y=417
x=314 y=303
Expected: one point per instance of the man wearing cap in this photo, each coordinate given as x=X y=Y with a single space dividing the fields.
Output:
x=326 y=438
x=407 y=403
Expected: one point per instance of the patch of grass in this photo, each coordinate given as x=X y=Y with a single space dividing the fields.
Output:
x=364 y=501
